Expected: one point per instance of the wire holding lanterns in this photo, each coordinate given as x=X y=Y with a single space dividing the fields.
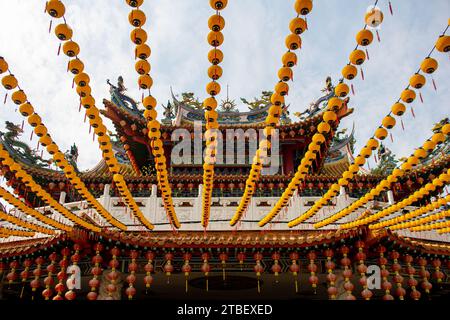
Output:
x=138 y=36
x=56 y=9
x=216 y=24
x=293 y=42
x=398 y=109
x=27 y=110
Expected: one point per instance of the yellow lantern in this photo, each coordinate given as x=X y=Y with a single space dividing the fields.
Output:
x=137 y=18
x=282 y=88
x=360 y=161
x=88 y=102
x=408 y=95
x=372 y=144
x=446 y=129
x=149 y=102
x=366 y=152
x=34 y=120
x=341 y=90
x=76 y=66
x=210 y=103
x=213 y=88
x=216 y=22
x=9 y=82
x=417 y=81
x=142 y=67
x=285 y=74
x=429 y=145
x=45 y=140
x=381 y=133
x=145 y=81
x=303 y=7
x=429 y=65
x=374 y=17
x=215 y=56
x=438 y=138
x=323 y=127
x=81 y=79
x=215 y=39
x=3 y=65
x=63 y=32
x=318 y=138
x=329 y=116
x=83 y=91
x=297 y=25
x=26 y=109
x=357 y=57
x=289 y=59
x=218 y=4
x=398 y=109
x=349 y=72
x=277 y=99
x=388 y=122
x=443 y=43
x=293 y=41
x=420 y=153
x=71 y=48
x=55 y=8
x=364 y=37
x=275 y=111
x=334 y=104
x=215 y=72
x=138 y=36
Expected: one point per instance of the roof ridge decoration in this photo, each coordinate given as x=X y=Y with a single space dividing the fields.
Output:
x=121 y=99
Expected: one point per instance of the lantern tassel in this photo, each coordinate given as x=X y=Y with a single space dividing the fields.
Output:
x=403 y=126
x=390 y=135
x=31 y=136
x=6 y=96
x=59 y=49
x=412 y=111
x=207 y=284
x=50 y=26
x=23 y=122
x=296 y=285
x=306 y=24
x=434 y=84
x=259 y=288
x=223 y=274
x=378 y=36
x=390 y=9
x=353 y=89
x=420 y=96
x=367 y=54
x=186 y=282
x=362 y=73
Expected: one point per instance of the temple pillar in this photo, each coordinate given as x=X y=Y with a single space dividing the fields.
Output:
x=152 y=204
x=62 y=197
x=390 y=196
x=105 y=198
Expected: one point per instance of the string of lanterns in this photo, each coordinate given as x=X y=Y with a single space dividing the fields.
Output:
x=56 y=9
x=417 y=81
x=432 y=226
x=6 y=232
x=215 y=38
x=398 y=224
x=293 y=42
x=329 y=117
x=417 y=195
x=26 y=109
x=42 y=194
x=412 y=161
x=138 y=36
x=19 y=222
x=30 y=211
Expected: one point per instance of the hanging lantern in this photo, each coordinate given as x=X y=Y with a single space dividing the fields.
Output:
x=362 y=269
x=9 y=82
x=303 y=7
x=59 y=288
x=168 y=267
x=357 y=57
x=425 y=274
x=19 y=97
x=443 y=43
x=398 y=109
x=259 y=269
x=35 y=283
x=131 y=278
x=71 y=48
x=331 y=277
x=341 y=90
x=347 y=273
x=373 y=17
x=205 y=267
x=381 y=133
x=312 y=267
x=186 y=268
x=63 y=32
x=386 y=285
x=96 y=271
x=388 y=122
x=148 y=279
x=417 y=81
x=349 y=72
x=223 y=257
x=241 y=258
x=55 y=8
x=218 y=4
x=276 y=268
x=415 y=294
x=396 y=268
x=408 y=95
x=429 y=65
x=294 y=268
x=364 y=37
x=438 y=274
x=3 y=65
x=25 y=273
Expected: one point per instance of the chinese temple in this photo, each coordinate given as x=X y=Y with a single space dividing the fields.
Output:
x=155 y=221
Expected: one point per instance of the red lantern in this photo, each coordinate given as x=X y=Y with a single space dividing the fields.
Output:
x=347 y=273
x=168 y=268
x=259 y=269
x=396 y=268
x=206 y=268
x=223 y=257
x=276 y=268
x=241 y=258
x=425 y=274
x=331 y=277
x=131 y=279
x=186 y=268
x=148 y=279
x=294 y=267
x=438 y=274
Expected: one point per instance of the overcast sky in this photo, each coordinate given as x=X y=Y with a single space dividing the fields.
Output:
x=254 y=43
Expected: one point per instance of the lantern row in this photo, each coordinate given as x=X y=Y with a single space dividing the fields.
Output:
x=56 y=9
x=433 y=226
x=417 y=81
x=15 y=232
x=138 y=36
x=334 y=104
x=385 y=184
x=420 y=212
x=20 y=98
x=28 y=180
x=19 y=222
x=293 y=42
x=417 y=195
x=215 y=38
